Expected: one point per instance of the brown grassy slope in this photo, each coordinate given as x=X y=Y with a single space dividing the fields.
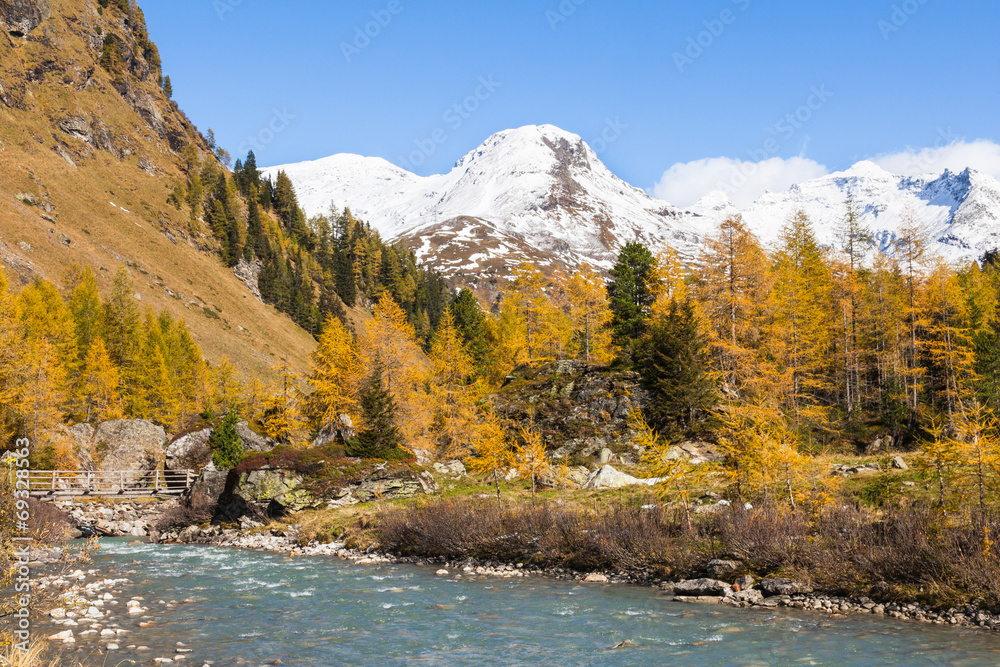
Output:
x=108 y=192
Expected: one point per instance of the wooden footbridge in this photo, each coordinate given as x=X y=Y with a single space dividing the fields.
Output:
x=64 y=484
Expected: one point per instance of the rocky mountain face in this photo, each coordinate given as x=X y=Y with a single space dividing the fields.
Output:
x=536 y=193
x=539 y=193
x=90 y=150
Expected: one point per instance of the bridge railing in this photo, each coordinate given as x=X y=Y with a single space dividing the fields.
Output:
x=118 y=483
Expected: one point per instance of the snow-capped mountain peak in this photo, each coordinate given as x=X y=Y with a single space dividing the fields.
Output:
x=541 y=193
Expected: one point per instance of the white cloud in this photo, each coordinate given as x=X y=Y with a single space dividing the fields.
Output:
x=743 y=181
x=981 y=155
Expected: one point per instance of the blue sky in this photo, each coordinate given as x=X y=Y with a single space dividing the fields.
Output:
x=686 y=84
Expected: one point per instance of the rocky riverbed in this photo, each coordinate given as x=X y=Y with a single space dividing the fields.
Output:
x=745 y=592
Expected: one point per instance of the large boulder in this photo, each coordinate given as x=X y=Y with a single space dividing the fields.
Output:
x=702 y=587
x=253 y=441
x=607 y=477
x=208 y=487
x=780 y=586
x=128 y=445
x=269 y=485
x=340 y=431
x=394 y=484
x=189 y=451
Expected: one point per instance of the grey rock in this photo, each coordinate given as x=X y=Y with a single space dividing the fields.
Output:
x=702 y=587
x=341 y=431
x=128 y=445
x=779 y=586
x=253 y=441
x=718 y=568
x=899 y=464
x=609 y=478
x=77 y=127
x=189 y=451
x=745 y=582
x=455 y=469
x=605 y=456
x=269 y=485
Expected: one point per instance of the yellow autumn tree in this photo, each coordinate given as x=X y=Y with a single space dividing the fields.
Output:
x=100 y=385
x=732 y=284
x=337 y=375
x=388 y=341
x=227 y=390
x=282 y=418
x=800 y=331
x=525 y=295
x=454 y=389
x=668 y=281
x=43 y=392
x=672 y=468
x=588 y=298
x=530 y=457
x=493 y=455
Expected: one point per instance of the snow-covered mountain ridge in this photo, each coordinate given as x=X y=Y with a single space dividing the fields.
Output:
x=541 y=193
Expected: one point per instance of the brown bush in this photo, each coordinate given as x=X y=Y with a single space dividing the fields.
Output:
x=182 y=515
x=48 y=524
x=913 y=553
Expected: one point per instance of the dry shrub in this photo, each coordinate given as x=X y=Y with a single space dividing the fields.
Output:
x=35 y=656
x=766 y=538
x=182 y=515
x=48 y=524
x=551 y=535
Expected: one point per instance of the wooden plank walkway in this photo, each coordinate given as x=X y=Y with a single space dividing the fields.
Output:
x=60 y=484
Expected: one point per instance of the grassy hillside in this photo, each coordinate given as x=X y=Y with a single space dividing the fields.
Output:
x=89 y=152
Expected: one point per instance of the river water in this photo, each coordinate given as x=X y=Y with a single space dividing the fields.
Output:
x=254 y=608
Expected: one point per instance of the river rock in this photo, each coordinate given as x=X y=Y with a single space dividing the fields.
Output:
x=702 y=588
x=779 y=586
x=595 y=578
x=718 y=568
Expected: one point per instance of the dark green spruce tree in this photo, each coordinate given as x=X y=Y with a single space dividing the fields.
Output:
x=673 y=362
x=630 y=293
x=380 y=438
